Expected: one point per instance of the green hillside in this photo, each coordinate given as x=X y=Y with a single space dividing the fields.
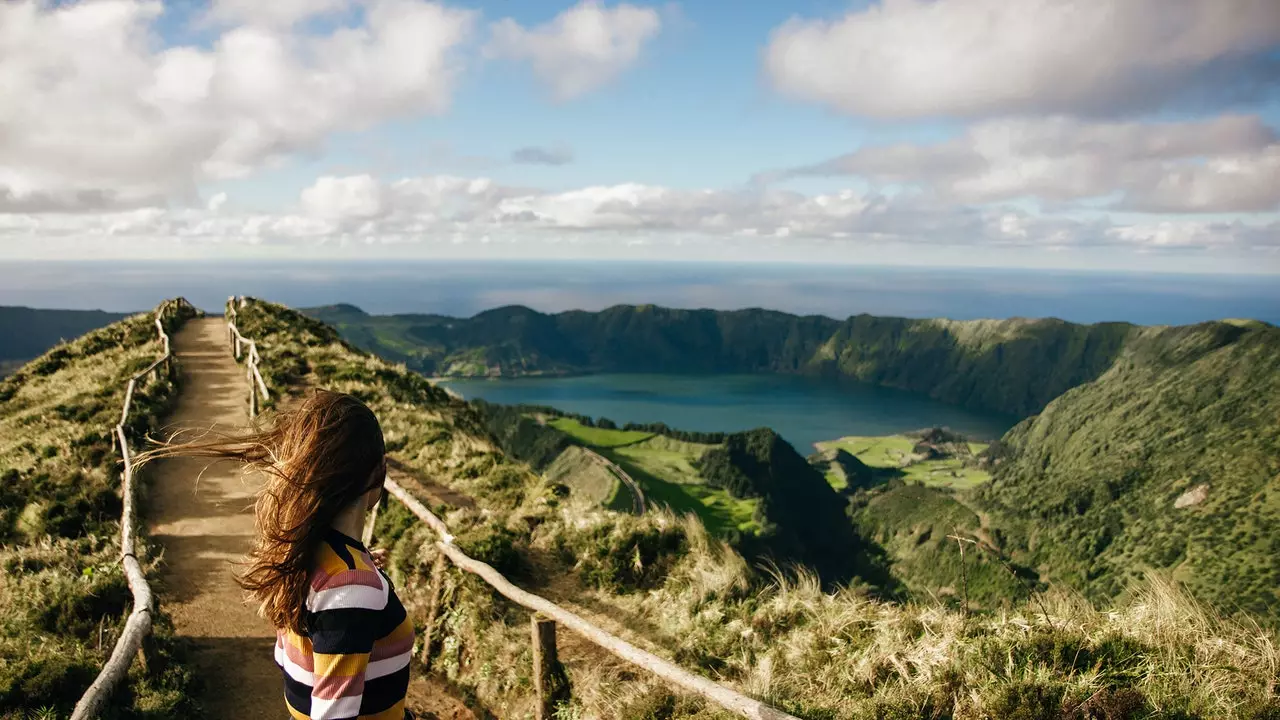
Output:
x=27 y=332
x=1011 y=366
x=1168 y=462
x=663 y=583
x=62 y=588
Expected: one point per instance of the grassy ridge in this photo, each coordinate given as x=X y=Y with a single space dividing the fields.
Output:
x=1011 y=366
x=1168 y=462
x=62 y=588
x=666 y=585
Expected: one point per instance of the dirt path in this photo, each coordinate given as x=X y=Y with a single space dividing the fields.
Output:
x=203 y=516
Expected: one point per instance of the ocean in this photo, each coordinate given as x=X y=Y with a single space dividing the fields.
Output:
x=464 y=288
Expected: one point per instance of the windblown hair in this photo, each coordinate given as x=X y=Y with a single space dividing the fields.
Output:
x=318 y=459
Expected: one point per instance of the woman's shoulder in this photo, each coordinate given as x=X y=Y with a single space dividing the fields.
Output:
x=344 y=577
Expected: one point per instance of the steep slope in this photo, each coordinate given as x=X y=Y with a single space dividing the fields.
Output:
x=1011 y=366
x=805 y=519
x=27 y=332
x=1169 y=461
x=663 y=584
x=62 y=588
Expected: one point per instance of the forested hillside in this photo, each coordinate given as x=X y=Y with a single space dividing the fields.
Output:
x=1009 y=366
x=1170 y=461
x=664 y=584
x=27 y=332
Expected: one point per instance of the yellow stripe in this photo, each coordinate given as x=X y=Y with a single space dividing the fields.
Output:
x=294 y=713
x=328 y=561
x=339 y=665
x=298 y=641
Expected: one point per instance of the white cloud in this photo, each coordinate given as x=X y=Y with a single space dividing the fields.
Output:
x=95 y=116
x=970 y=58
x=582 y=48
x=431 y=210
x=216 y=202
x=334 y=198
x=1226 y=164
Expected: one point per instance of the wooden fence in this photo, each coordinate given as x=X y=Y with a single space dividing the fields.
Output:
x=138 y=626
x=238 y=343
x=546 y=612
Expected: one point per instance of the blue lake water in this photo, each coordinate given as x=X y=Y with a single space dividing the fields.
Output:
x=803 y=410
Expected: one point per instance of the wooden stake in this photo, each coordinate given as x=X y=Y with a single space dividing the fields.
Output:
x=253 y=397
x=549 y=678
x=433 y=609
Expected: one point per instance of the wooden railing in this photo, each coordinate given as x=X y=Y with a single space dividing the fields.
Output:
x=544 y=627
x=138 y=626
x=238 y=343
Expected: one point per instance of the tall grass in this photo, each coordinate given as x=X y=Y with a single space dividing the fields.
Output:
x=63 y=593
x=664 y=584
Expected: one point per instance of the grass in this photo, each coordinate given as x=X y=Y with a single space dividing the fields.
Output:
x=664 y=468
x=588 y=480
x=598 y=437
x=889 y=451
x=62 y=589
x=946 y=473
x=664 y=583
x=895 y=451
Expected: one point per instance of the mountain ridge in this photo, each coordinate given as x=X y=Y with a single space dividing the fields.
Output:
x=980 y=364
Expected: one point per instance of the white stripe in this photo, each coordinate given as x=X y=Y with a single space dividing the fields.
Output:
x=339 y=708
x=348 y=596
x=387 y=666
x=295 y=670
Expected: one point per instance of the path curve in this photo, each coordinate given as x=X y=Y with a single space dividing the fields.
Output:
x=203 y=516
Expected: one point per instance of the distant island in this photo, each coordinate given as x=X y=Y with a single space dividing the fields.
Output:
x=26 y=332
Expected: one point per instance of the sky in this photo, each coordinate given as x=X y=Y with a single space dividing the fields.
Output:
x=1134 y=135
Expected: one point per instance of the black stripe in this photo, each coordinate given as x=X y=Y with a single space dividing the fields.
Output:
x=381 y=693
x=391 y=616
x=298 y=695
x=344 y=631
x=341 y=549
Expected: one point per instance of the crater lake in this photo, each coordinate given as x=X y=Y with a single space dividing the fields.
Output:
x=803 y=410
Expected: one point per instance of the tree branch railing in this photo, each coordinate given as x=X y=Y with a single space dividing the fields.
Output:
x=238 y=342
x=670 y=672
x=138 y=625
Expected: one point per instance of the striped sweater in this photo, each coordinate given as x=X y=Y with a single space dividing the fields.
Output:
x=353 y=659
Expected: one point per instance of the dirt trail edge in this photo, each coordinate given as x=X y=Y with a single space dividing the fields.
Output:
x=203 y=516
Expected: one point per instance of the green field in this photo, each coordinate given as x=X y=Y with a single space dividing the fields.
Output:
x=598 y=437
x=890 y=451
x=664 y=468
x=894 y=451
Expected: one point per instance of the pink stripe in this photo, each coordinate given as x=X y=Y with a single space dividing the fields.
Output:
x=382 y=652
x=318 y=579
x=334 y=687
x=367 y=578
x=300 y=658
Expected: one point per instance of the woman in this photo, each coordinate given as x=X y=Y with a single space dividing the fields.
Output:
x=343 y=638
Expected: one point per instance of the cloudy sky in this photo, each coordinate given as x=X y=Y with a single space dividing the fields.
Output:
x=1117 y=134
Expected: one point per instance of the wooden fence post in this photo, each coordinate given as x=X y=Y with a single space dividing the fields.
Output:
x=549 y=678
x=253 y=397
x=433 y=608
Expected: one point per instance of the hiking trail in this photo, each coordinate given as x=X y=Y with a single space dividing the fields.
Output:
x=202 y=514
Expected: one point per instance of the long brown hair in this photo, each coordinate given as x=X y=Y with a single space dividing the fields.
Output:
x=318 y=459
